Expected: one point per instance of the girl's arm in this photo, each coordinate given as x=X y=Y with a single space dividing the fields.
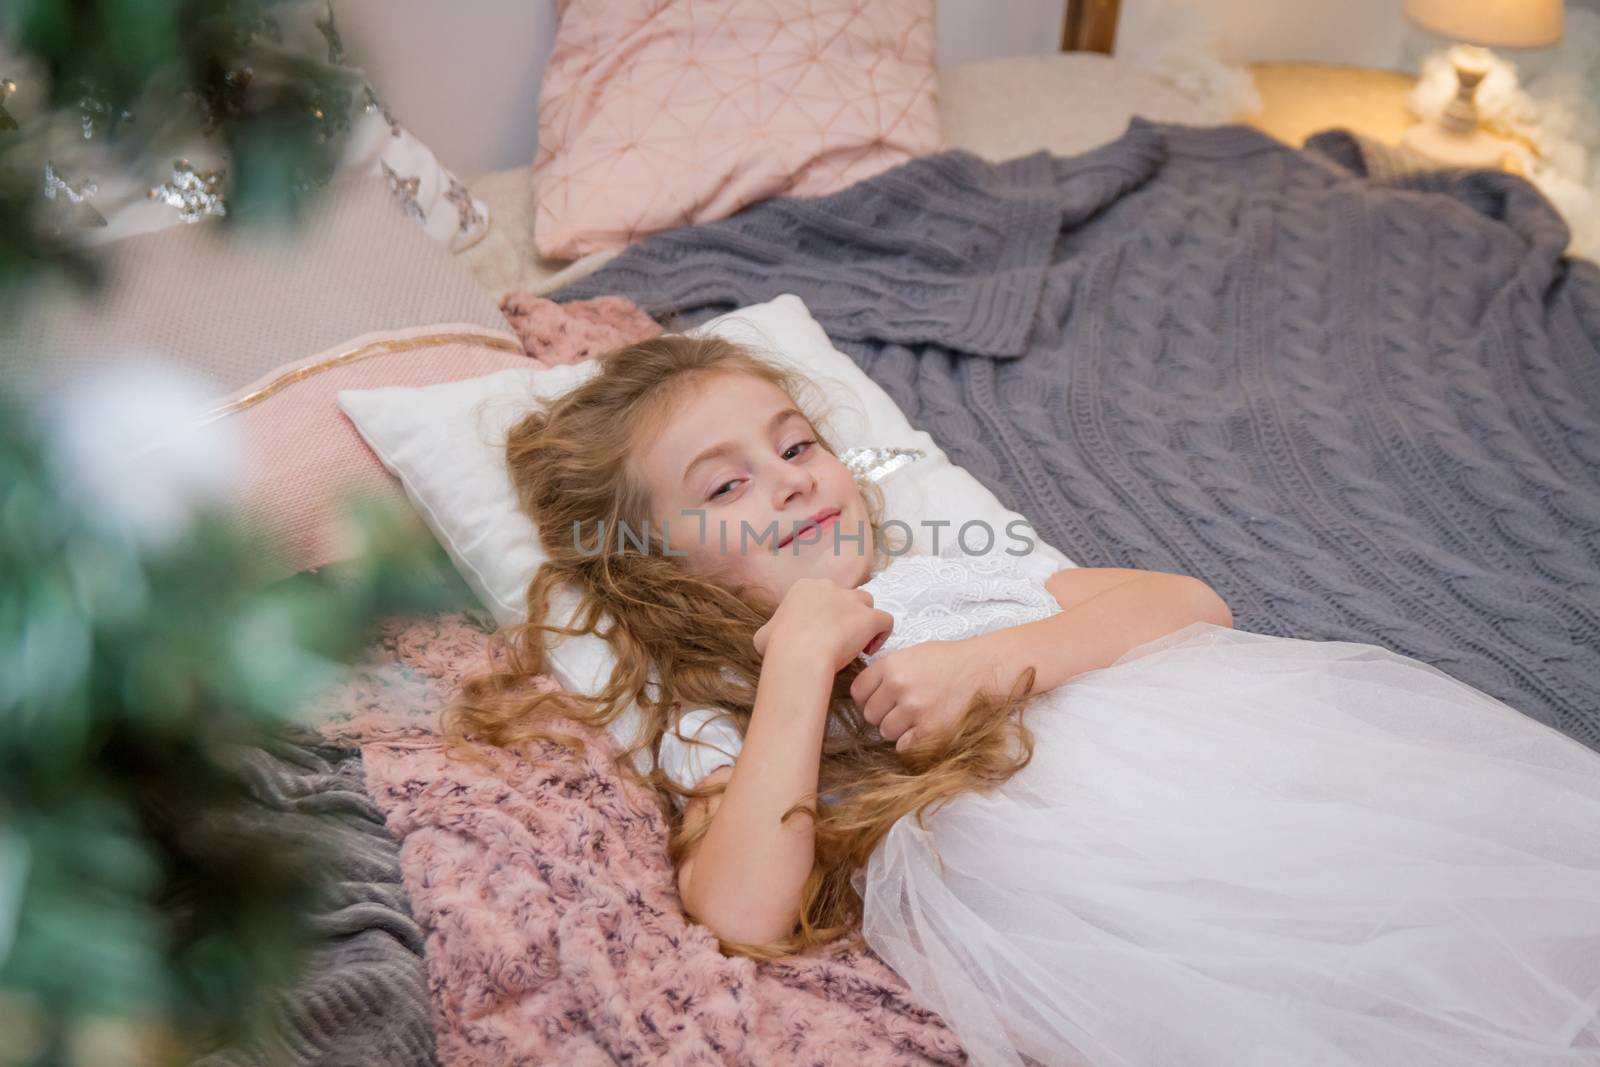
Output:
x=925 y=688
x=1105 y=613
x=744 y=878
x=1074 y=585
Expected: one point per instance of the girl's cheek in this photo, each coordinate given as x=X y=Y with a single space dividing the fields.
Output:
x=722 y=541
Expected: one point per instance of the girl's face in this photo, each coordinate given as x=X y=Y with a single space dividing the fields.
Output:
x=748 y=495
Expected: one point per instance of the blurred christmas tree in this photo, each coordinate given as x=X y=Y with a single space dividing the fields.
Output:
x=139 y=647
x=133 y=657
x=127 y=89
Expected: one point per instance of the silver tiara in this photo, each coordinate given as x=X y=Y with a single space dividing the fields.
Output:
x=876 y=464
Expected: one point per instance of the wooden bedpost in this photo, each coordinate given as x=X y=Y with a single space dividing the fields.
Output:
x=1091 y=26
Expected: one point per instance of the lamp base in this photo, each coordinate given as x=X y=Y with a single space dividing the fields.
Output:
x=1475 y=149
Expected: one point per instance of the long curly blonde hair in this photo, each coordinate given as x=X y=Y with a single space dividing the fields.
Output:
x=569 y=463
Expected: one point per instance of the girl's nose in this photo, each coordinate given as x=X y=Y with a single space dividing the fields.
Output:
x=792 y=482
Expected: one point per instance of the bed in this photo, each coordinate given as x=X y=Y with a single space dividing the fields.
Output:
x=1398 y=479
x=1357 y=398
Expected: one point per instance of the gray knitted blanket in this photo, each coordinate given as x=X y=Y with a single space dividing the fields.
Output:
x=1363 y=406
x=362 y=998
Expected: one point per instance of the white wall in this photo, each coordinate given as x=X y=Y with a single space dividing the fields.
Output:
x=1362 y=32
x=982 y=29
x=464 y=75
x=1367 y=33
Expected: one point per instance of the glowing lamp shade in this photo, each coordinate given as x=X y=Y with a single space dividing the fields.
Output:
x=1490 y=23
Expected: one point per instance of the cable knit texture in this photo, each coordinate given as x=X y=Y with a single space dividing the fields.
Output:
x=362 y=994
x=1363 y=407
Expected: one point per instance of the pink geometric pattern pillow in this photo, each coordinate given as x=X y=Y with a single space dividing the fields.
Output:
x=659 y=113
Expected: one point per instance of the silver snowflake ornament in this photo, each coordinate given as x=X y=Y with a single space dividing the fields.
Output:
x=195 y=193
x=76 y=194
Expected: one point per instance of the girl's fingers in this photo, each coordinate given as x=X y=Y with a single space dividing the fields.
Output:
x=866 y=684
x=884 y=622
x=878 y=708
x=907 y=739
x=895 y=724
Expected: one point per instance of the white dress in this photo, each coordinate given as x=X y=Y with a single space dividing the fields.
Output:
x=1238 y=850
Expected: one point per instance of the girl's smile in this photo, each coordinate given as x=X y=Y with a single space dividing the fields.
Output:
x=813 y=528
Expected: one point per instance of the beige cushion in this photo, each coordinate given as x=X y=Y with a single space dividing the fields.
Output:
x=231 y=307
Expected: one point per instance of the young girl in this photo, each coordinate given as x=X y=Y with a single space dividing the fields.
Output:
x=1202 y=847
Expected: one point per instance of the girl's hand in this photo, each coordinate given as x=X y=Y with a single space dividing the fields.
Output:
x=821 y=618
x=924 y=689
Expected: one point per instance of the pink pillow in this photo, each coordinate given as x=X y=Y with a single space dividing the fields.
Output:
x=655 y=115
x=303 y=455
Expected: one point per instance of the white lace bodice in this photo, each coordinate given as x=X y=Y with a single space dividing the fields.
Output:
x=953 y=597
x=932 y=598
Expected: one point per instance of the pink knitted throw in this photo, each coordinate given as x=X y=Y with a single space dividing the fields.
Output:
x=555 y=933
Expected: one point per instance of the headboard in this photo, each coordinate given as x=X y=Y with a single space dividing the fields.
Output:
x=1091 y=26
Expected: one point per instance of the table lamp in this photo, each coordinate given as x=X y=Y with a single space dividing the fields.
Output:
x=1455 y=138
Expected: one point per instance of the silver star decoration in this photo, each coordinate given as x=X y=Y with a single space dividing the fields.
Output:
x=75 y=193
x=465 y=209
x=195 y=193
x=405 y=190
x=876 y=464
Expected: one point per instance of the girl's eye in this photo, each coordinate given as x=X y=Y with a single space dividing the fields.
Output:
x=792 y=452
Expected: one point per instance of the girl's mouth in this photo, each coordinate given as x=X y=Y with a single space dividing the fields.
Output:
x=817 y=522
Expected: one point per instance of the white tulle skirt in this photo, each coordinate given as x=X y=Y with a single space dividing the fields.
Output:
x=1237 y=850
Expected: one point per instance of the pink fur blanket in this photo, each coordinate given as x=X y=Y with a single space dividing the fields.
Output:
x=554 y=930
x=583 y=329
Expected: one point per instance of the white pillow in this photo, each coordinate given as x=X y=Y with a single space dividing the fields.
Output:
x=446 y=444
